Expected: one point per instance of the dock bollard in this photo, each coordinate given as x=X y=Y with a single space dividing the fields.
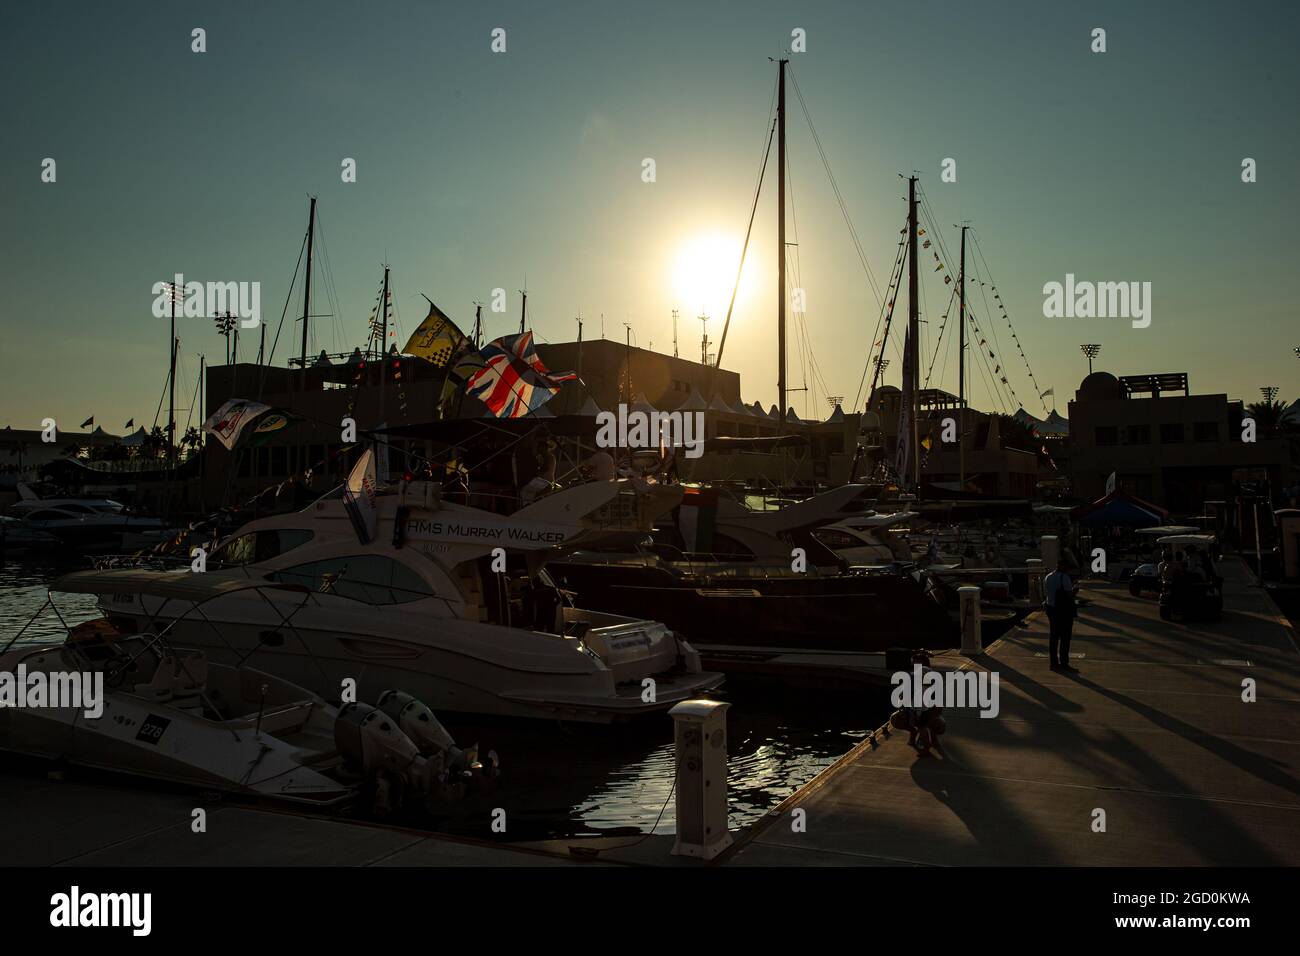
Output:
x=1050 y=548
x=701 y=742
x=972 y=644
x=1035 y=568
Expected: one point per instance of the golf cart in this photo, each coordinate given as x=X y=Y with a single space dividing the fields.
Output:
x=1196 y=591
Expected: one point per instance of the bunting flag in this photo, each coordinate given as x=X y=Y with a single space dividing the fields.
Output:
x=88 y=422
x=513 y=381
x=437 y=339
x=231 y=419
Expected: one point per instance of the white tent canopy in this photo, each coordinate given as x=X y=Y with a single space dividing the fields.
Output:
x=694 y=402
x=589 y=408
x=718 y=405
x=837 y=415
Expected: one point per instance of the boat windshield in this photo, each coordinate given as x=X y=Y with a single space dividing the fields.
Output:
x=256 y=546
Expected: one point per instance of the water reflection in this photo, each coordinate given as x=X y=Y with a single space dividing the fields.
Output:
x=23 y=589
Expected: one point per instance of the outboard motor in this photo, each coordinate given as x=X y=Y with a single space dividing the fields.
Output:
x=372 y=741
x=452 y=768
x=417 y=721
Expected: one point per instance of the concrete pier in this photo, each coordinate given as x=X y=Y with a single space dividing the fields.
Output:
x=1153 y=732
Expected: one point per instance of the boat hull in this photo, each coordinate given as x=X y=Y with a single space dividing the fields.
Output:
x=845 y=614
x=450 y=664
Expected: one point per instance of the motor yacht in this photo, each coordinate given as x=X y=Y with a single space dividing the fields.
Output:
x=448 y=602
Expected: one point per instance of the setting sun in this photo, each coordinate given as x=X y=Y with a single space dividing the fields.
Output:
x=705 y=272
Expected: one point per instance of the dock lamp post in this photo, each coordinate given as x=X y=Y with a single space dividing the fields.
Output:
x=1092 y=351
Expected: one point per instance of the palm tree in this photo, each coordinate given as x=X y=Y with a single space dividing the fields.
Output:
x=192 y=440
x=1270 y=416
x=155 y=444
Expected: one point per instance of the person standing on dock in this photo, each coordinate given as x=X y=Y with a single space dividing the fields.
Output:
x=1059 y=591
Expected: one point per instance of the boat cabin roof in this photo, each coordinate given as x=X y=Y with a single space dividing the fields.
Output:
x=178 y=585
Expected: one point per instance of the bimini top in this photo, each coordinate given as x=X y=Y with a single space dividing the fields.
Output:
x=1205 y=540
x=177 y=585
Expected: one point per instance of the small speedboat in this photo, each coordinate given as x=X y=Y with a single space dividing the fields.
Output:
x=134 y=704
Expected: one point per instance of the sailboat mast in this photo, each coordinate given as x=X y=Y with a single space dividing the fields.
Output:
x=171 y=401
x=306 y=293
x=171 y=387
x=383 y=343
x=780 y=237
x=961 y=365
x=913 y=328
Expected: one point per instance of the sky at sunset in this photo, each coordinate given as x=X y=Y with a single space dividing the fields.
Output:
x=479 y=170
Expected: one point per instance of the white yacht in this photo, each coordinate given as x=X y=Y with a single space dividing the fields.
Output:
x=865 y=540
x=448 y=602
x=83 y=523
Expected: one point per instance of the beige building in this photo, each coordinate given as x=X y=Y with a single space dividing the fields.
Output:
x=1164 y=444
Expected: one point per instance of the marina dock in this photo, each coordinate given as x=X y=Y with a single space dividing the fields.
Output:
x=1153 y=731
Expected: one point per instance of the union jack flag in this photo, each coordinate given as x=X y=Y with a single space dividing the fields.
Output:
x=513 y=382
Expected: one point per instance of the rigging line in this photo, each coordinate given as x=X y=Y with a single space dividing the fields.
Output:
x=886 y=310
x=1020 y=347
x=998 y=348
x=758 y=188
x=1010 y=391
x=193 y=401
x=947 y=311
x=995 y=394
x=839 y=197
x=331 y=290
x=886 y=317
x=261 y=385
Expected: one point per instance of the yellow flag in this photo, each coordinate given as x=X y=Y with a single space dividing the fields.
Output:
x=437 y=339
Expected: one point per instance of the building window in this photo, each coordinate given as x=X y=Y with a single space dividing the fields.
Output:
x=1106 y=435
x=1206 y=431
x=1137 y=435
x=1171 y=433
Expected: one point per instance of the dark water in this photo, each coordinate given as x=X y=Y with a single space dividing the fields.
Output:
x=566 y=780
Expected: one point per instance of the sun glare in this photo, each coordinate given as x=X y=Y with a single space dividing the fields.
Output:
x=705 y=272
